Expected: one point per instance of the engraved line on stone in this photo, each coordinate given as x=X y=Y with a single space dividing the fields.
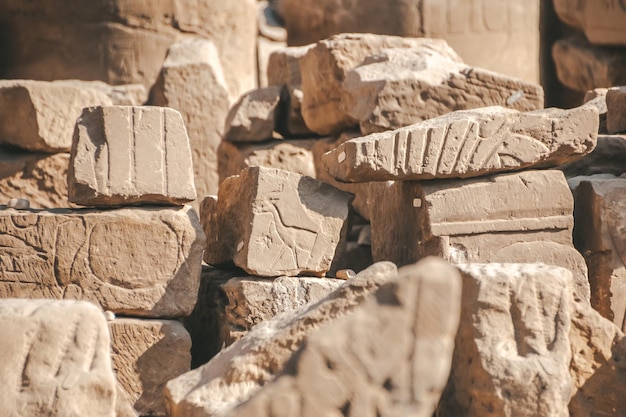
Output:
x=460 y=148
x=444 y=141
x=133 y=148
x=467 y=160
x=426 y=136
x=164 y=164
x=407 y=152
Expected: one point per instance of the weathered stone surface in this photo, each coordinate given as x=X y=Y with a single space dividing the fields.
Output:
x=135 y=261
x=41 y=178
x=236 y=373
x=253 y=118
x=597 y=98
x=583 y=67
x=602 y=22
x=120 y=95
x=468 y=144
x=264 y=49
x=608 y=157
x=55 y=360
x=191 y=81
x=512 y=351
x=616 y=110
x=146 y=354
x=40 y=116
x=130 y=155
x=399 y=87
x=346 y=368
x=512 y=218
x=272 y=222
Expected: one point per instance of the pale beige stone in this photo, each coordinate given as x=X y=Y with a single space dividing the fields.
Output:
x=512 y=351
x=468 y=143
x=253 y=118
x=609 y=157
x=236 y=373
x=120 y=95
x=146 y=354
x=391 y=357
x=597 y=98
x=133 y=261
x=40 y=116
x=55 y=360
x=192 y=82
x=264 y=49
x=19 y=203
x=602 y=22
x=272 y=222
x=521 y=217
x=616 y=110
x=130 y=155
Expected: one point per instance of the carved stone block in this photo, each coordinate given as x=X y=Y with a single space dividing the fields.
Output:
x=272 y=222
x=253 y=118
x=130 y=155
x=135 y=261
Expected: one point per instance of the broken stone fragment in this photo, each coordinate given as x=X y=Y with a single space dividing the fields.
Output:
x=468 y=143
x=130 y=155
x=107 y=257
x=602 y=22
x=241 y=370
x=272 y=222
x=56 y=359
x=40 y=116
x=345 y=368
x=608 y=157
x=253 y=118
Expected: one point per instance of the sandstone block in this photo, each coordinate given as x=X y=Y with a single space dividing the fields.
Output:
x=602 y=22
x=512 y=351
x=254 y=117
x=608 y=157
x=130 y=155
x=40 y=116
x=271 y=222
x=135 y=261
x=346 y=368
x=55 y=360
x=616 y=110
x=192 y=82
x=468 y=144
x=146 y=354
x=523 y=217
x=120 y=95
x=238 y=372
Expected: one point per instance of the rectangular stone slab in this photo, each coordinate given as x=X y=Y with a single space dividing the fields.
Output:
x=135 y=261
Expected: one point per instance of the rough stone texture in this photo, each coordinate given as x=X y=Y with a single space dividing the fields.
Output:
x=120 y=95
x=616 y=110
x=468 y=143
x=55 y=360
x=130 y=155
x=264 y=50
x=512 y=351
x=399 y=87
x=602 y=22
x=520 y=217
x=191 y=81
x=583 y=67
x=135 y=261
x=238 y=372
x=609 y=157
x=272 y=222
x=253 y=118
x=346 y=368
x=40 y=178
x=146 y=354
x=40 y=116
x=597 y=98
x=599 y=214
x=496 y=34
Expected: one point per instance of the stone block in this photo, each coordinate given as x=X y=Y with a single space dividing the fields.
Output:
x=468 y=143
x=608 y=157
x=132 y=261
x=130 y=155
x=616 y=110
x=264 y=49
x=272 y=222
x=55 y=359
x=253 y=118
x=238 y=372
x=602 y=22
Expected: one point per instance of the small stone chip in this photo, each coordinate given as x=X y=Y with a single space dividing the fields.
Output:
x=19 y=203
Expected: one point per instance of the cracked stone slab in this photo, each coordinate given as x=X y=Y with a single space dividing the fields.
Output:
x=272 y=222
x=254 y=117
x=130 y=155
x=469 y=143
x=55 y=359
x=241 y=370
x=134 y=261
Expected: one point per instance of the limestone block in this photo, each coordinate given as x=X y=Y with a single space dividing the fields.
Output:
x=40 y=116
x=120 y=95
x=399 y=87
x=253 y=118
x=512 y=351
x=55 y=360
x=146 y=354
x=134 y=261
x=522 y=217
x=609 y=157
x=602 y=22
x=346 y=368
x=616 y=110
x=41 y=178
x=468 y=143
x=272 y=222
x=239 y=371
x=583 y=67
x=130 y=155
x=192 y=82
